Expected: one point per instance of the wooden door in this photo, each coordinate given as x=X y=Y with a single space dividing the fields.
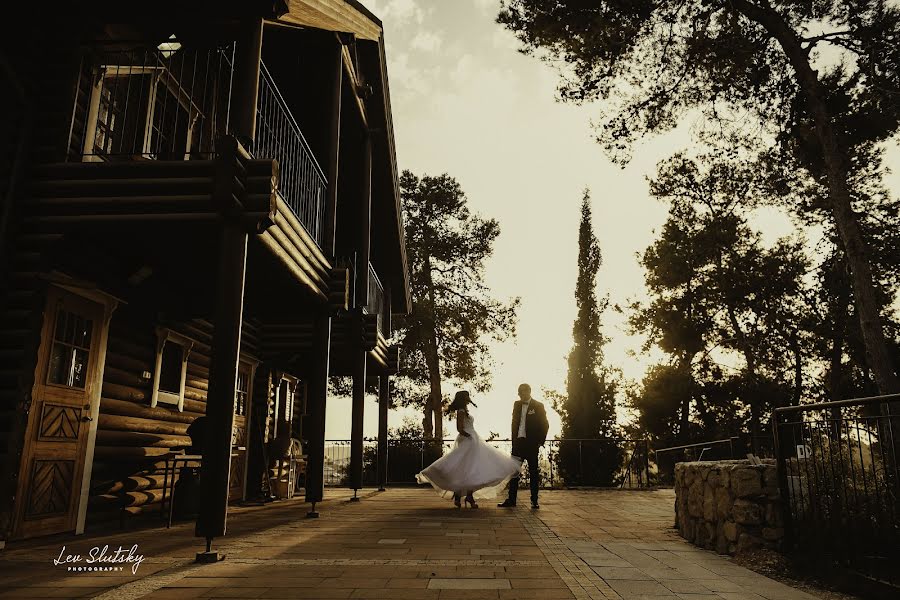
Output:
x=65 y=381
x=239 y=436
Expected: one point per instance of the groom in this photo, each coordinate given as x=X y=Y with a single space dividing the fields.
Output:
x=529 y=432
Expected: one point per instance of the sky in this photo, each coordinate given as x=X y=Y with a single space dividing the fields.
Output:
x=466 y=103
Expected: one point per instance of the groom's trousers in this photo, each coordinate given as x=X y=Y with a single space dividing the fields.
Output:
x=527 y=451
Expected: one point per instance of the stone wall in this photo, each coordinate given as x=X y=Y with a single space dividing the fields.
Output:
x=728 y=506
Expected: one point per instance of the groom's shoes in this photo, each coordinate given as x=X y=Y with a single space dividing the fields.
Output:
x=534 y=504
x=507 y=504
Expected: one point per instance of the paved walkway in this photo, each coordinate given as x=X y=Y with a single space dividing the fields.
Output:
x=408 y=543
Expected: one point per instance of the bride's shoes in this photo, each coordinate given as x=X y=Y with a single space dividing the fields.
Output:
x=470 y=501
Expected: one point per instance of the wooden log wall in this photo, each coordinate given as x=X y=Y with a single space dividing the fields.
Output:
x=24 y=252
x=130 y=433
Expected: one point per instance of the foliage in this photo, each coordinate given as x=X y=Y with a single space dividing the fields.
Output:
x=454 y=315
x=815 y=85
x=718 y=297
x=588 y=408
x=407 y=454
x=653 y=61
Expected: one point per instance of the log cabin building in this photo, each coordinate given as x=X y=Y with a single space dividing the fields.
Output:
x=201 y=217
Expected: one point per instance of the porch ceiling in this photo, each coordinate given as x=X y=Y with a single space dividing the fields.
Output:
x=334 y=15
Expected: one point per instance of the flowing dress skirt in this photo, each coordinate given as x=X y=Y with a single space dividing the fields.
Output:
x=472 y=465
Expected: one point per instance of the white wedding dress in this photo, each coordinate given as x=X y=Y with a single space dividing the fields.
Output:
x=472 y=465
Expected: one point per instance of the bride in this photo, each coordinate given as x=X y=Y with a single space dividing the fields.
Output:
x=473 y=466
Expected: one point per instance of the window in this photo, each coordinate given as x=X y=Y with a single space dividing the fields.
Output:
x=170 y=370
x=70 y=351
x=109 y=119
x=242 y=391
x=172 y=352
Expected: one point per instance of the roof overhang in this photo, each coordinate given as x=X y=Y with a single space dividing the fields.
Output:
x=347 y=16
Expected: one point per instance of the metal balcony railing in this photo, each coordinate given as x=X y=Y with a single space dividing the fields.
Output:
x=301 y=180
x=171 y=102
x=375 y=304
x=164 y=102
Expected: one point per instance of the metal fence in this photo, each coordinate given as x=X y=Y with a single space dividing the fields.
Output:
x=406 y=457
x=666 y=458
x=300 y=180
x=838 y=471
x=164 y=102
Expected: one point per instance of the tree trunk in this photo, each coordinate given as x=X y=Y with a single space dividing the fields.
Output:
x=427 y=425
x=686 y=405
x=839 y=320
x=836 y=366
x=798 y=368
x=838 y=193
x=432 y=358
x=434 y=377
x=755 y=417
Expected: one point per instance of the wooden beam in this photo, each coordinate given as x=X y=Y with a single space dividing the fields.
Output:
x=357 y=414
x=245 y=86
x=226 y=349
x=365 y=231
x=334 y=132
x=384 y=401
x=318 y=393
x=355 y=84
x=362 y=289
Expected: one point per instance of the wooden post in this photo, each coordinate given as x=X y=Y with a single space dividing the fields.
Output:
x=318 y=383
x=362 y=298
x=334 y=131
x=356 y=427
x=365 y=230
x=386 y=313
x=225 y=354
x=245 y=82
x=384 y=401
x=318 y=393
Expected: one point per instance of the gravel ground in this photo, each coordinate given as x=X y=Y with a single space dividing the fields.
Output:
x=779 y=567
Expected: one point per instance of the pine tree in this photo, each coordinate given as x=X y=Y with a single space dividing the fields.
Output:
x=588 y=408
x=454 y=314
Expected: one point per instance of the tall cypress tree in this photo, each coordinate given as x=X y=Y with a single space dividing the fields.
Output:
x=588 y=408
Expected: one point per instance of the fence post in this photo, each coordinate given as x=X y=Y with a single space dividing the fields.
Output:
x=550 y=458
x=647 y=459
x=580 y=464
x=784 y=490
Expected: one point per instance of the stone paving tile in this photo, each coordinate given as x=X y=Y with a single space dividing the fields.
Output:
x=629 y=588
x=608 y=573
x=409 y=543
x=468 y=584
x=686 y=586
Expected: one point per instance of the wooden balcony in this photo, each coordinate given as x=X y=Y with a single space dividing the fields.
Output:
x=367 y=328
x=148 y=143
x=170 y=103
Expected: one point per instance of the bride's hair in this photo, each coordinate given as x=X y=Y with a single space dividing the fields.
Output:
x=460 y=401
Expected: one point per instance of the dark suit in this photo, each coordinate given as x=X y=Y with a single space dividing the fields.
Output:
x=527 y=448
